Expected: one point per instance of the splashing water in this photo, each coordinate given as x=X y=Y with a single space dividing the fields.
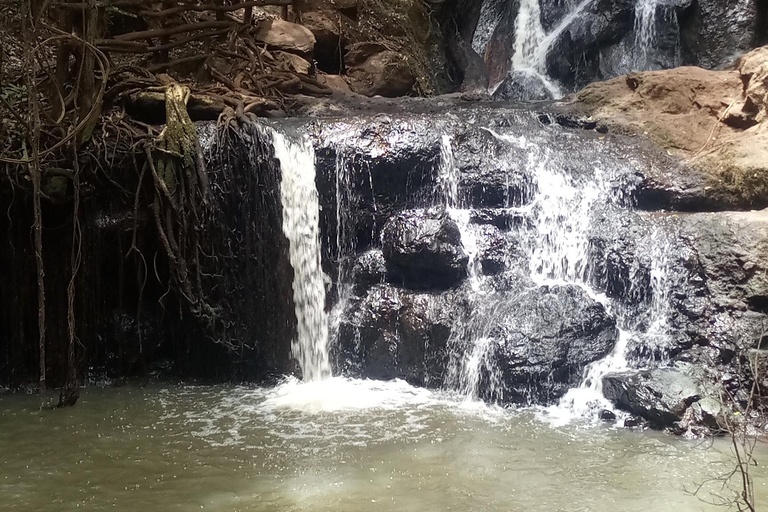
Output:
x=648 y=43
x=529 y=34
x=645 y=31
x=448 y=179
x=301 y=213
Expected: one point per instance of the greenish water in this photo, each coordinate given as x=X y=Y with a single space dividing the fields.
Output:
x=341 y=446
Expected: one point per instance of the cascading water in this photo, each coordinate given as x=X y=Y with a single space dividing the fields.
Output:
x=529 y=36
x=560 y=220
x=645 y=31
x=449 y=185
x=301 y=212
x=532 y=44
x=648 y=45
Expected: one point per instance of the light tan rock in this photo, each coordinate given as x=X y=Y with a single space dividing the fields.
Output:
x=753 y=67
x=336 y=82
x=715 y=121
x=294 y=62
x=284 y=35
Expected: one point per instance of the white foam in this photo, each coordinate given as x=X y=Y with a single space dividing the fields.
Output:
x=339 y=394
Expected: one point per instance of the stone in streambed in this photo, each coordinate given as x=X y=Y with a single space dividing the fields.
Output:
x=522 y=86
x=395 y=333
x=662 y=396
x=542 y=338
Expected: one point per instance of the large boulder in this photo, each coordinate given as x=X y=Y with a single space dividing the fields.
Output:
x=540 y=340
x=283 y=35
x=676 y=398
x=375 y=70
x=393 y=333
x=423 y=249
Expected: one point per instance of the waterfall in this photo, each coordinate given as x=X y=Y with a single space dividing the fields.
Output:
x=546 y=44
x=448 y=179
x=645 y=31
x=560 y=220
x=528 y=34
x=532 y=44
x=648 y=42
x=301 y=214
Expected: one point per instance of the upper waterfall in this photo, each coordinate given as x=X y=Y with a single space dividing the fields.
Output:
x=301 y=214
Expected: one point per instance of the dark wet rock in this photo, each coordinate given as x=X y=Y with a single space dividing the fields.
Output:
x=662 y=396
x=382 y=165
x=394 y=333
x=369 y=269
x=573 y=59
x=635 y=422
x=423 y=249
x=607 y=415
x=491 y=173
x=543 y=338
x=494 y=249
x=717 y=31
x=729 y=251
x=522 y=86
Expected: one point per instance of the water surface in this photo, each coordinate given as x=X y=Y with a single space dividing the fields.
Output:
x=336 y=446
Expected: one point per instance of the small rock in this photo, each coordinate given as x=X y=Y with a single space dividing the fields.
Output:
x=294 y=62
x=336 y=82
x=607 y=415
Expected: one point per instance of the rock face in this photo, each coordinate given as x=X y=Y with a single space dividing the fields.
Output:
x=666 y=397
x=394 y=333
x=716 y=31
x=712 y=119
x=374 y=70
x=543 y=339
x=599 y=40
x=423 y=249
x=522 y=86
x=543 y=198
x=283 y=35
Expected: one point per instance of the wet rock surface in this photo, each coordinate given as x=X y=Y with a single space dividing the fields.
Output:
x=675 y=398
x=544 y=338
x=687 y=286
x=395 y=333
x=423 y=249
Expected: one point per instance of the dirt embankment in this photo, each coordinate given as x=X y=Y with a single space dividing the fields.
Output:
x=715 y=121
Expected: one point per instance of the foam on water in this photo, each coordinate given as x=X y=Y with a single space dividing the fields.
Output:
x=341 y=394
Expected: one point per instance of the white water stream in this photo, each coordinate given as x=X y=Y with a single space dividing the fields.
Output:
x=561 y=215
x=532 y=44
x=301 y=221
